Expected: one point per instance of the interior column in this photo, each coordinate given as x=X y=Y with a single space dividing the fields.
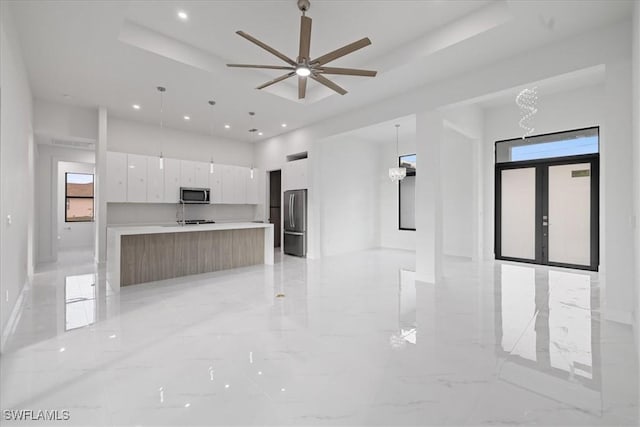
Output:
x=101 y=189
x=429 y=137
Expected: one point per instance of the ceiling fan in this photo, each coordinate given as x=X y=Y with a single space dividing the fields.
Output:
x=305 y=66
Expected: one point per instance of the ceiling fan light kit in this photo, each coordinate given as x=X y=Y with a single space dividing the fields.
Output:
x=305 y=67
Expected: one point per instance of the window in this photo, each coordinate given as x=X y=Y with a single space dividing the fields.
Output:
x=407 y=194
x=553 y=145
x=78 y=197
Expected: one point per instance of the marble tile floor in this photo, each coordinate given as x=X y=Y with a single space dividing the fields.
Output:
x=353 y=341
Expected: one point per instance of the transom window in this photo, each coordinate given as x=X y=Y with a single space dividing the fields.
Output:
x=553 y=145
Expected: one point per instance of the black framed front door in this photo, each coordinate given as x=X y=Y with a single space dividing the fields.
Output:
x=547 y=211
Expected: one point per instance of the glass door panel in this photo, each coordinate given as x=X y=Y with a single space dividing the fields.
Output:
x=518 y=213
x=569 y=218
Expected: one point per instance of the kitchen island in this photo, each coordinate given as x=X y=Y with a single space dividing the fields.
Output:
x=140 y=254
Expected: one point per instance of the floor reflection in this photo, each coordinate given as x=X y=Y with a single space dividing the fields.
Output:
x=80 y=301
x=407 y=323
x=547 y=320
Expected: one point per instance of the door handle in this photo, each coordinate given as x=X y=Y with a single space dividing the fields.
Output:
x=293 y=216
x=291 y=210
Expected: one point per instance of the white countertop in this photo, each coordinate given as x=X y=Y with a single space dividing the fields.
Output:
x=157 y=229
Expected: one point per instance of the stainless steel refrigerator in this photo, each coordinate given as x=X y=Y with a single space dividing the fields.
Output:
x=295 y=222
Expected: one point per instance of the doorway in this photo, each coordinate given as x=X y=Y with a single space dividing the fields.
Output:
x=547 y=210
x=275 y=191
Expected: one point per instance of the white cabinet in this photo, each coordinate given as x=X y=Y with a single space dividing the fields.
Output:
x=201 y=178
x=187 y=173
x=294 y=175
x=234 y=184
x=215 y=183
x=253 y=188
x=155 y=181
x=116 y=177
x=241 y=176
x=171 y=180
x=136 y=178
x=228 y=183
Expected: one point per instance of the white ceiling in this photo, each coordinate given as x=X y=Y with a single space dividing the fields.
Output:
x=385 y=132
x=74 y=47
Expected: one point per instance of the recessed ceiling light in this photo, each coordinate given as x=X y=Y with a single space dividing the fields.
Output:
x=260 y=133
x=227 y=126
x=284 y=125
x=183 y=15
x=187 y=118
x=136 y=106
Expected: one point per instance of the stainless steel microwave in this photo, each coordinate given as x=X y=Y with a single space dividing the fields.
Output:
x=195 y=195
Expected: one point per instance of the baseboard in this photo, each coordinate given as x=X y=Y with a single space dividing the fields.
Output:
x=619 y=316
x=14 y=318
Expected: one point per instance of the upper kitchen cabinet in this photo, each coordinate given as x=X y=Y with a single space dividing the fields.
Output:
x=171 y=180
x=201 y=174
x=234 y=184
x=215 y=183
x=136 y=178
x=241 y=176
x=228 y=184
x=187 y=173
x=116 y=177
x=254 y=185
x=294 y=175
x=155 y=180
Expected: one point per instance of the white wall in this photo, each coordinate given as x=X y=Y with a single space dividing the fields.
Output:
x=47 y=191
x=66 y=122
x=72 y=235
x=138 y=138
x=564 y=111
x=608 y=106
x=457 y=194
x=348 y=194
x=636 y=157
x=16 y=170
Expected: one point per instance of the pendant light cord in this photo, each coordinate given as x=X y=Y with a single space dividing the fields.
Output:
x=397 y=143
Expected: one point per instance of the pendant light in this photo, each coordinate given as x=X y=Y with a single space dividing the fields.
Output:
x=397 y=173
x=162 y=90
x=252 y=131
x=527 y=101
x=211 y=103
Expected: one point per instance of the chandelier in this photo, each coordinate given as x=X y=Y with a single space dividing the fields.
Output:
x=397 y=173
x=527 y=101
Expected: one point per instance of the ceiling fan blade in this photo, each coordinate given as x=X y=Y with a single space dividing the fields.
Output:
x=302 y=87
x=328 y=83
x=269 y=67
x=345 y=50
x=266 y=47
x=305 y=38
x=347 y=71
x=276 y=80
